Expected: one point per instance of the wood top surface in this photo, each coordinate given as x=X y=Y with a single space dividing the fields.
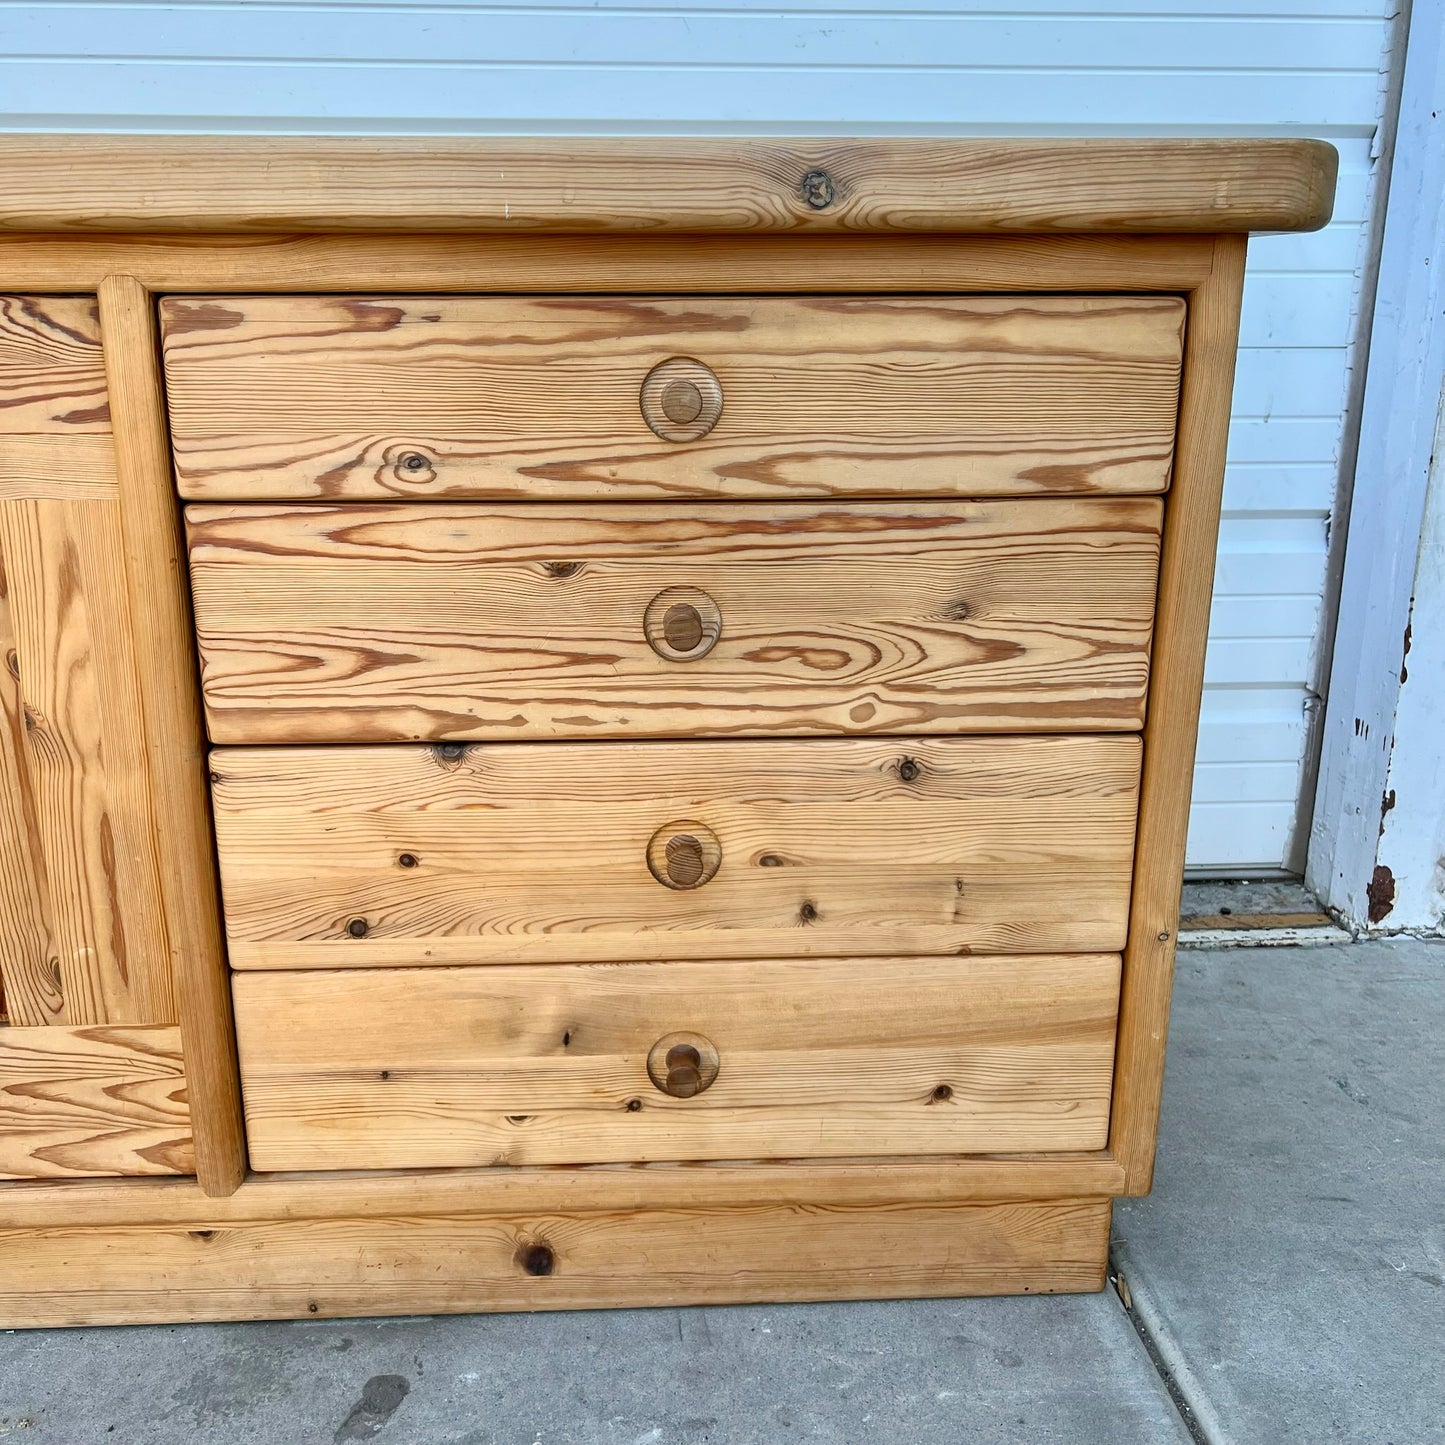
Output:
x=66 y=183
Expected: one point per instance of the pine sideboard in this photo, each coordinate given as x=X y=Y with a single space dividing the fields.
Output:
x=598 y=722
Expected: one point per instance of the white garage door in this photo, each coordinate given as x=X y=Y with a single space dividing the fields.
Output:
x=1311 y=67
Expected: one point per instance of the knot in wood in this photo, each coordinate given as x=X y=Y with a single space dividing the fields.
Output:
x=537 y=1259
x=817 y=190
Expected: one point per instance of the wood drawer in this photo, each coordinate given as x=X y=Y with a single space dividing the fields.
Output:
x=529 y=852
x=451 y=1067
x=427 y=397
x=406 y=622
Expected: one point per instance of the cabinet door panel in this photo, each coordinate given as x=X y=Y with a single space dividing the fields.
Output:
x=91 y=1079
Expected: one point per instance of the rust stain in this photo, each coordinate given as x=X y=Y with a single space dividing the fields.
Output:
x=1381 y=893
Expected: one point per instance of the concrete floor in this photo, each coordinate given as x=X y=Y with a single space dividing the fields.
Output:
x=1286 y=1275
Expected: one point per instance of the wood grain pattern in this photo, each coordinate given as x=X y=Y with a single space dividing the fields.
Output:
x=536 y=852
x=441 y=397
x=52 y=374
x=1185 y=583
x=417 y=622
x=84 y=766
x=513 y=1189
x=54 y=466
x=455 y=1239
x=637 y=264
x=54 y=441
x=81 y=939
x=25 y=929
x=148 y=563
x=93 y=1101
x=551 y=1066
x=570 y=184
x=470 y=1262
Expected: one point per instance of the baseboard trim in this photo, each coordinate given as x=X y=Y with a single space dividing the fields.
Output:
x=300 y=1268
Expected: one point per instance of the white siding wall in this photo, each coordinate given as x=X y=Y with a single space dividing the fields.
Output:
x=1310 y=67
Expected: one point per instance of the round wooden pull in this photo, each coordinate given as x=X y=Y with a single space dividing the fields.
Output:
x=683 y=1065
x=681 y=399
x=684 y=854
x=682 y=624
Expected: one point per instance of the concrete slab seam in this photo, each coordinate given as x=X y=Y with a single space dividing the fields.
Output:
x=1185 y=1388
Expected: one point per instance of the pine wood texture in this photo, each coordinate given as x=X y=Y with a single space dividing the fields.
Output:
x=537 y=852
x=1017 y=355
x=421 y=622
x=552 y=1258
x=386 y=397
x=518 y=1189
x=625 y=262
x=81 y=933
x=1185 y=584
x=386 y=1069
x=52 y=376
x=107 y=1100
x=572 y=184
x=149 y=561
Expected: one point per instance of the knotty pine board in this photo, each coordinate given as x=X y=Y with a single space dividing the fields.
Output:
x=537 y=852
x=339 y=397
x=408 y=622
x=639 y=185
x=367 y=1069
x=546 y=1258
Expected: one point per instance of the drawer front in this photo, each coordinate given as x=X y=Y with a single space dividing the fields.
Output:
x=632 y=1062
x=406 y=622
x=406 y=397
x=526 y=852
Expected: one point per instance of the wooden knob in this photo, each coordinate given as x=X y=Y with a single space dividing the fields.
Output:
x=683 y=1065
x=681 y=399
x=684 y=854
x=682 y=624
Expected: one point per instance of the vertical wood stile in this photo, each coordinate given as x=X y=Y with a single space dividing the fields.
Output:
x=160 y=616
x=28 y=992
x=1186 y=574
